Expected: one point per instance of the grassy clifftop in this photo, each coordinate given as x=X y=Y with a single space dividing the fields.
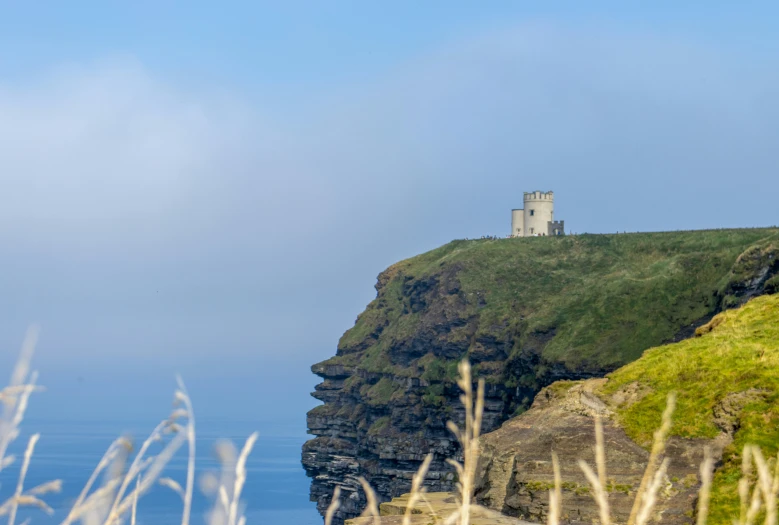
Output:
x=584 y=303
x=526 y=313
x=727 y=380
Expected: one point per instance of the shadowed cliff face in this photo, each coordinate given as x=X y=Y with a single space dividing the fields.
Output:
x=525 y=312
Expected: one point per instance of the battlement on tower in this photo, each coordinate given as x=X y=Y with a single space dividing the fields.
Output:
x=539 y=196
x=536 y=219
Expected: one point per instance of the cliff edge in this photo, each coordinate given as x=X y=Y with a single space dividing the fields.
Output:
x=526 y=312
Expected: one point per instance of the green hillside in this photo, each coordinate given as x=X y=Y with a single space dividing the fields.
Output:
x=734 y=363
x=530 y=310
x=525 y=312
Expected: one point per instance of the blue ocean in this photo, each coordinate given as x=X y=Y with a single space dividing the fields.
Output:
x=276 y=490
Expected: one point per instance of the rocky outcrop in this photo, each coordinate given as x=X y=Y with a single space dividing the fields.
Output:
x=526 y=313
x=755 y=272
x=515 y=470
x=384 y=443
x=437 y=507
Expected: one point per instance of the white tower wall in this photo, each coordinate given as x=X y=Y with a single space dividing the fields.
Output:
x=517 y=223
x=538 y=212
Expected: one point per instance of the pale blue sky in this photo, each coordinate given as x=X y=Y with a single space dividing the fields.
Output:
x=212 y=188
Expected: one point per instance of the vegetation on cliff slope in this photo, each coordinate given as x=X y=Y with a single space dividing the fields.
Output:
x=527 y=311
x=726 y=380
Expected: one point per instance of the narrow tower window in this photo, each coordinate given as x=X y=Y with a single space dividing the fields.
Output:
x=532 y=212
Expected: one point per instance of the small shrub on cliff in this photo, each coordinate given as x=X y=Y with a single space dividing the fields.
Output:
x=379 y=425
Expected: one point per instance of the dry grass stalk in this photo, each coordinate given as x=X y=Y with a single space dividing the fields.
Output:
x=30 y=497
x=46 y=488
x=335 y=503
x=556 y=494
x=750 y=507
x=658 y=447
x=766 y=485
x=173 y=485
x=599 y=492
x=453 y=518
x=600 y=463
x=109 y=504
x=417 y=489
x=600 y=450
x=15 y=396
x=22 y=474
x=119 y=445
x=183 y=396
x=598 y=482
x=149 y=469
x=135 y=468
x=704 y=493
x=372 y=509
x=211 y=485
x=775 y=482
x=743 y=484
x=468 y=438
x=650 y=495
x=227 y=489
x=765 y=482
x=134 y=511
x=240 y=477
x=431 y=510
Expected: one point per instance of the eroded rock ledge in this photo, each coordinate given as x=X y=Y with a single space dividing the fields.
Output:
x=438 y=506
x=515 y=470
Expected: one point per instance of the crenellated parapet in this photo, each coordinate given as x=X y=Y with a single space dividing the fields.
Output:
x=536 y=219
x=539 y=196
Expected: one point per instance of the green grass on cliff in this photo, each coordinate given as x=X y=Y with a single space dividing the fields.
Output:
x=604 y=298
x=739 y=354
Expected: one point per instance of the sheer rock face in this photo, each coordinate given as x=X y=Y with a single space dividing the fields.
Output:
x=515 y=471
x=390 y=389
x=381 y=425
x=347 y=446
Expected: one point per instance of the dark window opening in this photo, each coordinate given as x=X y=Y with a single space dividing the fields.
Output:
x=532 y=212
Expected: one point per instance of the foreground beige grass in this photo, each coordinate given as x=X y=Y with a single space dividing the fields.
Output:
x=126 y=480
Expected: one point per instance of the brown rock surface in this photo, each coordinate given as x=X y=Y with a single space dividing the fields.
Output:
x=515 y=472
x=442 y=504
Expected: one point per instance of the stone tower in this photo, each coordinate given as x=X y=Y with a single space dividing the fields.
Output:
x=536 y=219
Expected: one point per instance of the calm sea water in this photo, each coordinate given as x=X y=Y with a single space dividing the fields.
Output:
x=276 y=490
